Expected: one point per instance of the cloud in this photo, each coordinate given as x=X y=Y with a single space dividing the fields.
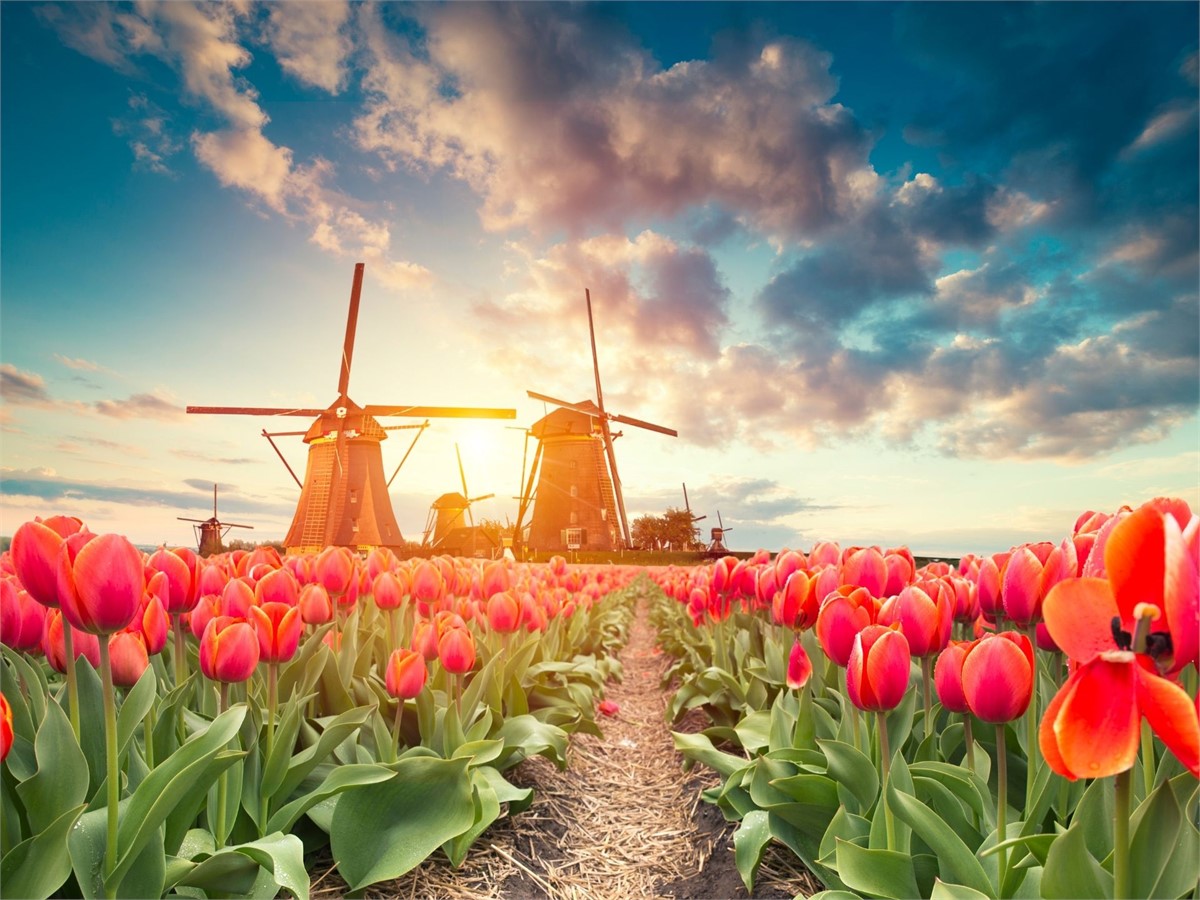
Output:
x=148 y=129
x=219 y=460
x=75 y=444
x=22 y=388
x=81 y=365
x=310 y=43
x=139 y=406
x=617 y=136
x=202 y=484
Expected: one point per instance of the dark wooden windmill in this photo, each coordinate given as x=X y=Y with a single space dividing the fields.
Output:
x=445 y=529
x=210 y=533
x=579 y=503
x=717 y=543
x=343 y=498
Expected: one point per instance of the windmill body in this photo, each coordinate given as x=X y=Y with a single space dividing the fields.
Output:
x=344 y=499
x=210 y=533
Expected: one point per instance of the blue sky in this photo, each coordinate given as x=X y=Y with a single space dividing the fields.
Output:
x=921 y=274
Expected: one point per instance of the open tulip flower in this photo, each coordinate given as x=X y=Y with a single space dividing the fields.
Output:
x=228 y=650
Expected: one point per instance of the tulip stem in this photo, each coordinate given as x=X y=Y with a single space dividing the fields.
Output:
x=223 y=782
x=180 y=672
x=1121 y=835
x=72 y=684
x=1001 y=805
x=148 y=734
x=1148 y=757
x=264 y=811
x=885 y=758
x=1031 y=752
x=396 y=724
x=925 y=679
x=969 y=738
x=110 y=752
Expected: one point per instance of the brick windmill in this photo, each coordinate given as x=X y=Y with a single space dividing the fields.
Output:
x=344 y=499
x=577 y=503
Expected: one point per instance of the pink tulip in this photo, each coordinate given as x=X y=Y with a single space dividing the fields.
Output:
x=997 y=676
x=278 y=627
x=406 y=674
x=128 y=656
x=799 y=668
x=34 y=552
x=947 y=677
x=101 y=587
x=228 y=650
x=878 y=668
x=316 y=608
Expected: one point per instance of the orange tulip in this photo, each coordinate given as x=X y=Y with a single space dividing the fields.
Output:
x=1092 y=727
x=456 y=650
x=127 y=652
x=425 y=639
x=276 y=586
x=997 y=676
x=427 y=583
x=406 y=674
x=54 y=642
x=101 y=587
x=878 y=668
x=866 y=567
x=182 y=591
x=388 y=591
x=278 y=627
x=153 y=624
x=34 y=551
x=228 y=650
x=503 y=612
x=925 y=620
x=335 y=569
x=315 y=606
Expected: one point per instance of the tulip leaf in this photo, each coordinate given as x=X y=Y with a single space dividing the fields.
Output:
x=381 y=832
x=474 y=691
x=900 y=721
x=845 y=826
x=335 y=731
x=1094 y=816
x=1071 y=871
x=880 y=873
x=834 y=895
x=754 y=731
x=137 y=703
x=1160 y=848
x=943 y=801
x=964 y=784
x=518 y=799
x=61 y=780
x=946 y=891
x=37 y=689
x=91 y=725
x=144 y=877
x=850 y=767
x=700 y=748
x=526 y=736
x=957 y=863
x=287 y=727
x=339 y=779
x=487 y=811
x=749 y=842
x=479 y=752
x=235 y=869
x=37 y=867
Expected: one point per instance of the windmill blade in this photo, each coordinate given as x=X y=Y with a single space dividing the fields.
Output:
x=545 y=398
x=351 y=327
x=420 y=431
x=184 y=519
x=439 y=412
x=649 y=426
x=463 y=476
x=480 y=497
x=235 y=525
x=253 y=411
x=282 y=458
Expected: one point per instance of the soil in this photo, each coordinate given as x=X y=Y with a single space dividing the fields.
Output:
x=623 y=821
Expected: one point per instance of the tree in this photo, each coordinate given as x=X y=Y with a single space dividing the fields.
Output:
x=496 y=530
x=673 y=528
x=647 y=532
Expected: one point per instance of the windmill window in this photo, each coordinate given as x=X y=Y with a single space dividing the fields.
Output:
x=574 y=518
x=574 y=490
x=353 y=496
x=354 y=524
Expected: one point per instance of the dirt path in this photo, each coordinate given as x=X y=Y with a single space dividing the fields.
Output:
x=622 y=822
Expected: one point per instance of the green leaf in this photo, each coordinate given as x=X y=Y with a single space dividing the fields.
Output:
x=137 y=703
x=749 y=842
x=339 y=779
x=61 y=780
x=1160 y=846
x=381 y=832
x=1072 y=872
x=881 y=873
x=834 y=895
x=956 y=861
x=336 y=731
x=1094 y=817
x=945 y=891
x=37 y=867
x=754 y=731
x=235 y=869
x=480 y=752
x=849 y=766
x=846 y=826
x=286 y=730
x=487 y=811
x=526 y=736
x=145 y=875
x=964 y=784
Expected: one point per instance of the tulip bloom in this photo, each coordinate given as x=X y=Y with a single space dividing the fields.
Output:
x=22 y=619
x=406 y=674
x=866 y=567
x=456 y=650
x=840 y=619
x=947 y=677
x=609 y=707
x=228 y=650
x=153 y=624
x=388 y=591
x=127 y=651
x=34 y=552
x=276 y=586
x=316 y=608
x=1092 y=727
x=878 y=668
x=425 y=639
x=504 y=613
x=181 y=596
x=799 y=668
x=6 y=727
x=926 y=621
x=335 y=569
x=54 y=643
x=997 y=676
x=101 y=588
x=278 y=627
x=427 y=584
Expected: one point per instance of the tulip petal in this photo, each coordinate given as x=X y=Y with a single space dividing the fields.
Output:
x=1181 y=596
x=1134 y=559
x=997 y=679
x=1047 y=734
x=1097 y=726
x=1171 y=714
x=1079 y=613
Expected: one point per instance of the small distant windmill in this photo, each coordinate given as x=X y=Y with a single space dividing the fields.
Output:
x=688 y=506
x=210 y=533
x=579 y=500
x=343 y=498
x=444 y=529
x=717 y=544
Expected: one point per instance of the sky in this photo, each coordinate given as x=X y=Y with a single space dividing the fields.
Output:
x=919 y=274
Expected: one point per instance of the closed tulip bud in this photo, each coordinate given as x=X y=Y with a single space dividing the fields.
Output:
x=824 y=553
x=456 y=650
x=381 y=560
x=210 y=579
x=1022 y=587
x=925 y=621
x=988 y=589
x=788 y=562
x=335 y=569
x=496 y=579
x=101 y=588
x=387 y=591
x=34 y=551
x=799 y=668
x=947 y=677
x=127 y=653
x=22 y=619
x=878 y=669
x=6 y=727
x=406 y=674
x=866 y=568
x=503 y=613
x=840 y=619
x=278 y=627
x=427 y=583
x=228 y=650
x=198 y=619
x=181 y=593
x=316 y=608
x=54 y=644
x=425 y=640
x=1045 y=640
x=154 y=624
x=277 y=586
x=997 y=676
x=900 y=571
x=236 y=599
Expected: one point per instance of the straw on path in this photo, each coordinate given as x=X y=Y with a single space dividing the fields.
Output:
x=623 y=821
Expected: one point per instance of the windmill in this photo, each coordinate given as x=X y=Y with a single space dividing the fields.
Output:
x=444 y=529
x=717 y=544
x=688 y=507
x=343 y=498
x=211 y=532
x=579 y=500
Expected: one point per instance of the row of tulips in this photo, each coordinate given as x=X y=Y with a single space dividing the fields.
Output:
x=1025 y=725
x=197 y=726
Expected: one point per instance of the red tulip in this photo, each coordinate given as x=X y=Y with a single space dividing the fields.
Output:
x=947 y=677
x=406 y=674
x=182 y=595
x=335 y=569
x=796 y=605
x=609 y=707
x=878 y=668
x=504 y=612
x=427 y=583
x=926 y=621
x=236 y=599
x=988 y=588
x=1022 y=584
x=841 y=618
x=278 y=627
x=316 y=608
x=997 y=676
x=127 y=653
x=277 y=586
x=388 y=591
x=64 y=525
x=54 y=644
x=22 y=619
x=799 y=668
x=456 y=650
x=210 y=579
x=101 y=588
x=1092 y=727
x=228 y=650
x=34 y=552
x=425 y=640
x=865 y=567
x=153 y=624
x=6 y=727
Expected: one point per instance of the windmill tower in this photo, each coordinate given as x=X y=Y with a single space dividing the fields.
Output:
x=210 y=533
x=717 y=543
x=344 y=499
x=579 y=504
x=445 y=530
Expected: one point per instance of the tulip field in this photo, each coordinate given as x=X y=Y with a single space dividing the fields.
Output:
x=1024 y=724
